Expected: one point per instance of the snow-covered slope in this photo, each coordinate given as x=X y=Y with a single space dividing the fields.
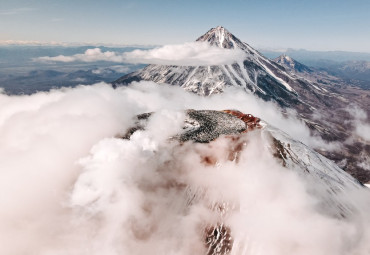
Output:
x=256 y=74
x=329 y=182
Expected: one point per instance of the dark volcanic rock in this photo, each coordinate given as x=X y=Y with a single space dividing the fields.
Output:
x=204 y=126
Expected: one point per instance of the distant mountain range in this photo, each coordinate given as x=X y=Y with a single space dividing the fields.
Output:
x=354 y=72
x=44 y=80
x=312 y=58
x=17 y=62
x=309 y=91
x=354 y=67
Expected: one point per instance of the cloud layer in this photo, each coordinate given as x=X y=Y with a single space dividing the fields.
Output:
x=188 y=54
x=69 y=185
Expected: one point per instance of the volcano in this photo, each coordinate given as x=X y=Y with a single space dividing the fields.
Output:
x=256 y=74
x=292 y=85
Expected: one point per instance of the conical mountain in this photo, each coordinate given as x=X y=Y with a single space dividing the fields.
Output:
x=221 y=37
x=256 y=74
x=279 y=80
x=292 y=64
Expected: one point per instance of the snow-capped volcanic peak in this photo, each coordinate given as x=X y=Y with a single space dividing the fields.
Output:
x=291 y=64
x=285 y=60
x=221 y=37
x=256 y=73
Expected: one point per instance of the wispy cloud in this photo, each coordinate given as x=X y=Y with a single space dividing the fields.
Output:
x=187 y=54
x=16 y=11
x=56 y=19
x=360 y=122
x=54 y=43
x=33 y=42
x=90 y=55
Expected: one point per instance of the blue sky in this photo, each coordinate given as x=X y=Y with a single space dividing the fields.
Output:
x=314 y=24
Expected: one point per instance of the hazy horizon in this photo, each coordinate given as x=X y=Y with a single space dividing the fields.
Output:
x=15 y=43
x=310 y=25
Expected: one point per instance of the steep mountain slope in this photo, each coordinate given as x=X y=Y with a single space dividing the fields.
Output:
x=344 y=93
x=256 y=74
x=319 y=78
x=354 y=154
x=316 y=96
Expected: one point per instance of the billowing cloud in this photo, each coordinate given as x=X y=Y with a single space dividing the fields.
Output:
x=188 y=54
x=361 y=130
x=360 y=122
x=70 y=185
x=90 y=55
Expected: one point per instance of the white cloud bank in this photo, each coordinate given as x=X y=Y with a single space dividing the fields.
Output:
x=188 y=54
x=194 y=53
x=68 y=186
